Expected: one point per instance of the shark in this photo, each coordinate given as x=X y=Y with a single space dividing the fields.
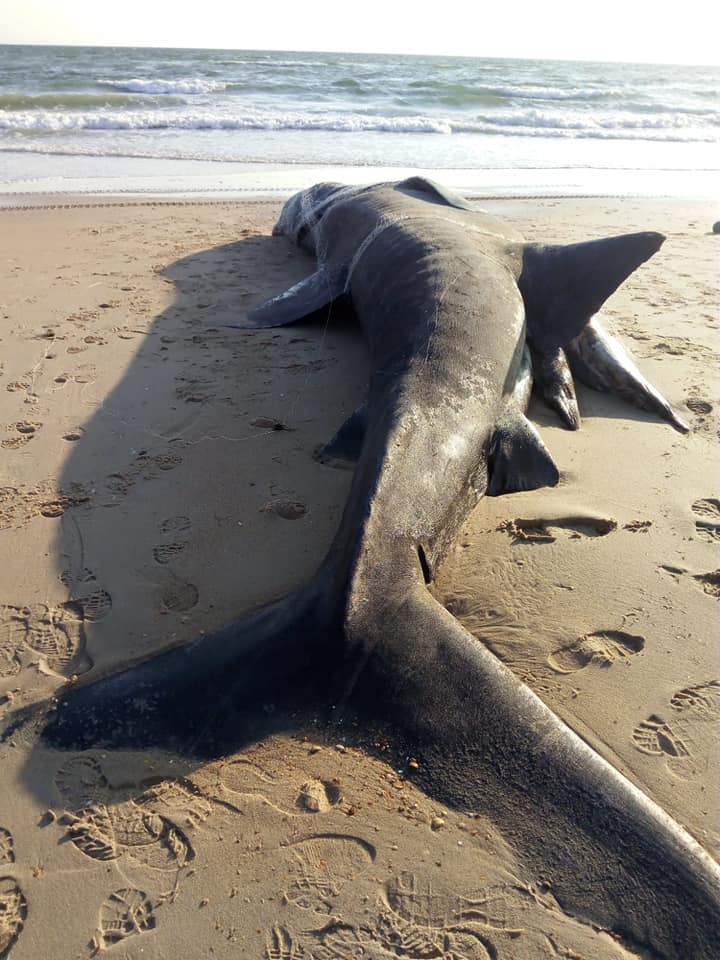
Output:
x=462 y=316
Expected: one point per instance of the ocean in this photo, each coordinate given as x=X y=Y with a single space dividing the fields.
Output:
x=111 y=120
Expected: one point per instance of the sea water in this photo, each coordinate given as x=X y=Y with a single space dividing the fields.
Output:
x=231 y=122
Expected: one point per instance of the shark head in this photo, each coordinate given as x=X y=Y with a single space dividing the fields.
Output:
x=301 y=214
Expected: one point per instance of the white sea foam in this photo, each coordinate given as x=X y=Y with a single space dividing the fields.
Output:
x=525 y=123
x=190 y=85
x=554 y=93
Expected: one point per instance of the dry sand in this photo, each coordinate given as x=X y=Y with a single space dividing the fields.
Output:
x=156 y=479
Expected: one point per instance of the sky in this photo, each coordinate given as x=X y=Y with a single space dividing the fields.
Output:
x=655 y=31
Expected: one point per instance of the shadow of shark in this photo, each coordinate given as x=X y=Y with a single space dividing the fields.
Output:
x=460 y=315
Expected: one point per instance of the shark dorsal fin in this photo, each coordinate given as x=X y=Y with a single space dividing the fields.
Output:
x=563 y=286
x=433 y=191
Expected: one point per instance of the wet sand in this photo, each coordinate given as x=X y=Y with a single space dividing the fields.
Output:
x=157 y=479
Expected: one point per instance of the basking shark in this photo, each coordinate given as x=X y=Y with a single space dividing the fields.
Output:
x=460 y=315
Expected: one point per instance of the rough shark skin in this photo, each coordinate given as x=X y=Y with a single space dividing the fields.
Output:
x=454 y=307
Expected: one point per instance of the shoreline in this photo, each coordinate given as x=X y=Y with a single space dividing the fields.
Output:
x=45 y=175
x=147 y=453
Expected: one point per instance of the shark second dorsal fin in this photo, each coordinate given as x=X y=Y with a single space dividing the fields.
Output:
x=518 y=459
x=563 y=286
x=299 y=301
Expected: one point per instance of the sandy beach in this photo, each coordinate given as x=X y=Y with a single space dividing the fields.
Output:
x=157 y=480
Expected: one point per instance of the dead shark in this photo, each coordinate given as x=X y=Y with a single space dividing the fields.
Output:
x=459 y=314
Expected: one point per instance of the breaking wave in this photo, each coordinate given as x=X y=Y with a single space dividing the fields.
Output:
x=526 y=123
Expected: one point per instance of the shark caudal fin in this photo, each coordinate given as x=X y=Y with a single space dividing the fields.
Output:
x=563 y=287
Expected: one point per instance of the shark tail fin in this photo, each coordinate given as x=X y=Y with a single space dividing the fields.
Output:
x=563 y=286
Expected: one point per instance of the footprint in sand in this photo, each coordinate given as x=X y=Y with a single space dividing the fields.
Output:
x=163 y=553
x=601 y=649
x=280 y=945
x=707 y=526
x=81 y=783
x=709 y=583
x=25 y=431
x=386 y=937
x=7 y=847
x=699 y=406
x=175 y=525
x=178 y=596
x=13 y=905
x=10 y=662
x=105 y=827
x=429 y=903
x=126 y=913
x=287 y=509
x=320 y=866
x=690 y=730
x=145 y=466
x=13 y=913
x=126 y=829
x=56 y=633
x=548 y=531
x=318 y=796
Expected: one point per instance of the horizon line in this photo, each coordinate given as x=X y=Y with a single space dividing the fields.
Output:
x=357 y=53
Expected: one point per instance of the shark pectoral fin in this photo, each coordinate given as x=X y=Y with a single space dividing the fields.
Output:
x=299 y=301
x=600 y=361
x=552 y=376
x=347 y=443
x=434 y=191
x=518 y=459
x=564 y=286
